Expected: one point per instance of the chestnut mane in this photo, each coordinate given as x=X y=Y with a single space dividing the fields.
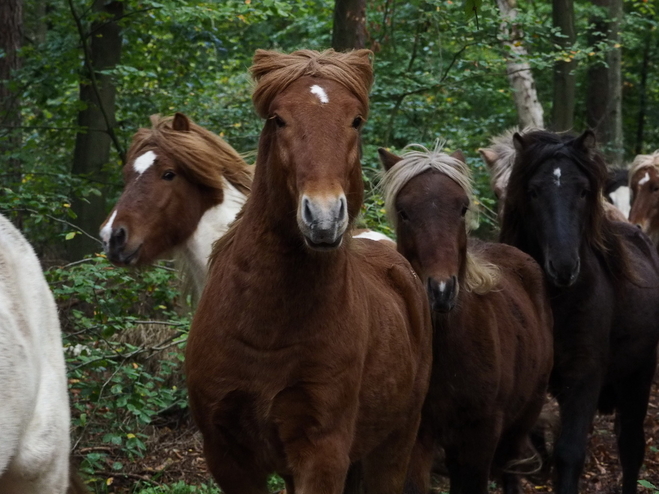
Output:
x=274 y=71
x=599 y=233
x=206 y=158
x=480 y=276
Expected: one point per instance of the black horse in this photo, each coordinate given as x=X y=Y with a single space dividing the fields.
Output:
x=603 y=281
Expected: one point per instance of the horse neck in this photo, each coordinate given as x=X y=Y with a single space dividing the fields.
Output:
x=193 y=257
x=269 y=225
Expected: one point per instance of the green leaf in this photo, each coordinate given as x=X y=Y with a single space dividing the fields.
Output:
x=70 y=235
x=472 y=7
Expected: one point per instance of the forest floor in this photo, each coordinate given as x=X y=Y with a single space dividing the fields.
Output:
x=174 y=453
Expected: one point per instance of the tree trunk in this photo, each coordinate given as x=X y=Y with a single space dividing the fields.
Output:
x=11 y=34
x=564 y=78
x=529 y=109
x=349 y=31
x=604 y=98
x=97 y=121
x=642 y=96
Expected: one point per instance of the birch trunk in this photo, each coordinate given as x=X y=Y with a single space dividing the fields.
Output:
x=529 y=109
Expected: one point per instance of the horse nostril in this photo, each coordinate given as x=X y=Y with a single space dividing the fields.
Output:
x=640 y=227
x=307 y=215
x=342 y=208
x=119 y=236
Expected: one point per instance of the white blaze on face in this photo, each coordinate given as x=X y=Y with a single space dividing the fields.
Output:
x=143 y=162
x=106 y=231
x=645 y=179
x=557 y=177
x=320 y=92
x=442 y=286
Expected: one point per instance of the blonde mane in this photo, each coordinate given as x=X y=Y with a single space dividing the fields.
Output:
x=502 y=147
x=274 y=72
x=643 y=161
x=206 y=158
x=481 y=276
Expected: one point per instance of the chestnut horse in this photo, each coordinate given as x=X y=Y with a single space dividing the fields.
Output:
x=500 y=157
x=644 y=182
x=492 y=322
x=34 y=410
x=310 y=350
x=603 y=281
x=183 y=188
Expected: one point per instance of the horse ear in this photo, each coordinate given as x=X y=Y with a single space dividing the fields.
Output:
x=181 y=122
x=458 y=155
x=518 y=142
x=489 y=156
x=388 y=159
x=586 y=141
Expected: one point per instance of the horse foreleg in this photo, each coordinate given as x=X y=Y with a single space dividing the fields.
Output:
x=386 y=467
x=321 y=466
x=632 y=404
x=232 y=476
x=578 y=404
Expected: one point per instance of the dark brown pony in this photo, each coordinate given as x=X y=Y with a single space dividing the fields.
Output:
x=604 y=289
x=492 y=349
x=310 y=350
x=644 y=184
x=183 y=187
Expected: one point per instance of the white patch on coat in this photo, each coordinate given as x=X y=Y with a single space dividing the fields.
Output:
x=143 y=162
x=621 y=198
x=557 y=177
x=320 y=92
x=106 y=231
x=645 y=179
x=442 y=286
x=377 y=236
x=213 y=224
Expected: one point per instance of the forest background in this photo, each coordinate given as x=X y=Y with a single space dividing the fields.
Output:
x=79 y=77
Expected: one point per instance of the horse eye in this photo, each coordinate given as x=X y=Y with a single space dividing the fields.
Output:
x=168 y=175
x=584 y=193
x=357 y=122
x=464 y=211
x=533 y=193
x=279 y=122
x=403 y=215
x=655 y=188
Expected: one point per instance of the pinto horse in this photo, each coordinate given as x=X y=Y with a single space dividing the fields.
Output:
x=500 y=158
x=34 y=410
x=310 y=350
x=492 y=322
x=644 y=183
x=603 y=281
x=184 y=186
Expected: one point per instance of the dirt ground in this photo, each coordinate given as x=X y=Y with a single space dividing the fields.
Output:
x=174 y=454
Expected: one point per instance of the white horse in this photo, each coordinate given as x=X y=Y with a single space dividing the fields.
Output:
x=34 y=408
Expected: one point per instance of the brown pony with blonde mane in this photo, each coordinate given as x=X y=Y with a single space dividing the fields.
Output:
x=492 y=347
x=644 y=185
x=183 y=187
x=310 y=350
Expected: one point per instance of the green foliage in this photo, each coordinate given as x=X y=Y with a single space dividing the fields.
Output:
x=649 y=485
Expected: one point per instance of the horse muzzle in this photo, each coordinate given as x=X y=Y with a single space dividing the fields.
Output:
x=117 y=249
x=442 y=294
x=563 y=273
x=323 y=221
